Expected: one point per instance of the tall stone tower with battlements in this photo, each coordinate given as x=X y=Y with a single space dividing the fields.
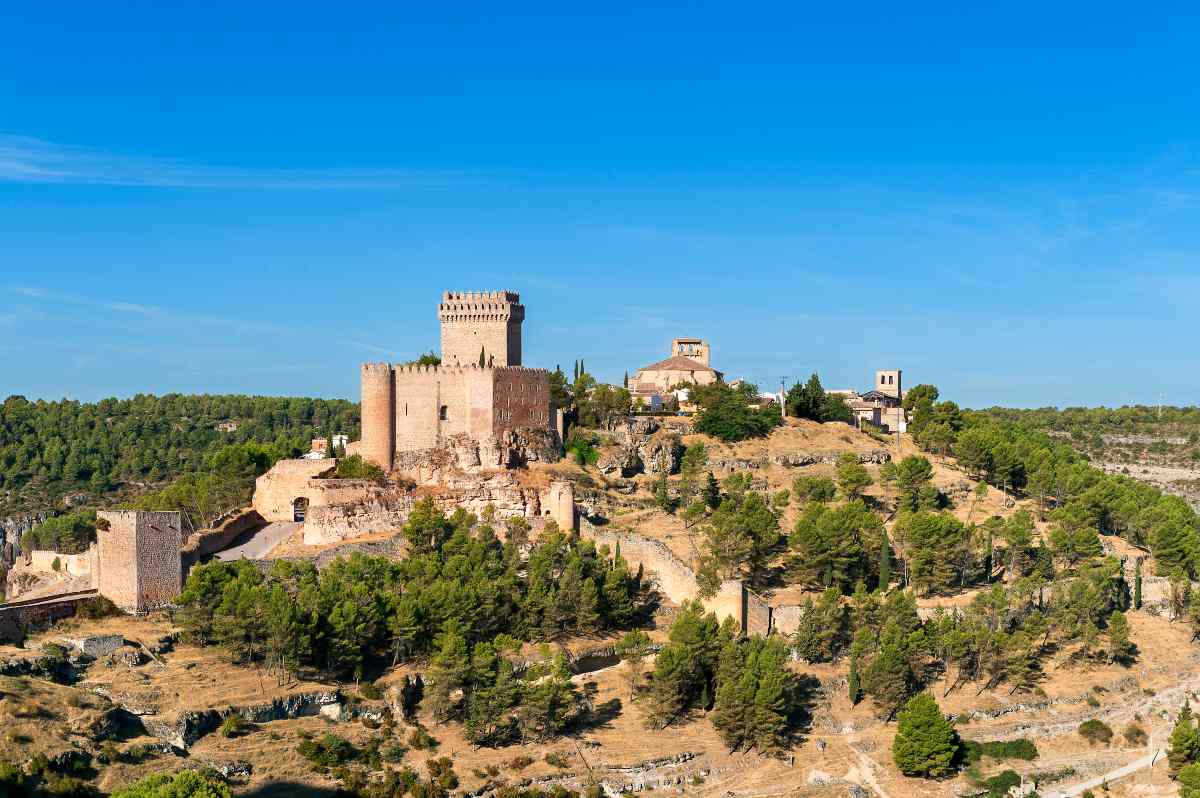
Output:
x=481 y=326
x=497 y=413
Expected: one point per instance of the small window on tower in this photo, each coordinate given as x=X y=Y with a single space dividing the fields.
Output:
x=443 y=413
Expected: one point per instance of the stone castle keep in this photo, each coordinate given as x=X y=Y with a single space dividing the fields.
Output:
x=480 y=398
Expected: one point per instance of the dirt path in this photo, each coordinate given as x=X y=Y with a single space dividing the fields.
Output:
x=1113 y=775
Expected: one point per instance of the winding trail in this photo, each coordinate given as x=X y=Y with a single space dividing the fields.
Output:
x=1113 y=775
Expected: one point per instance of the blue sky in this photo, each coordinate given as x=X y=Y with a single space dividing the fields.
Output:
x=253 y=199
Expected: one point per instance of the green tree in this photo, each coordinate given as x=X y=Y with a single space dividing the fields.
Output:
x=852 y=476
x=854 y=686
x=885 y=563
x=1183 y=747
x=712 y=492
x=913 y=475
x=926 y=744
x=1121 y=649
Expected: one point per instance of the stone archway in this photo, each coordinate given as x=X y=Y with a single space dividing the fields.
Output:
x=299 y=508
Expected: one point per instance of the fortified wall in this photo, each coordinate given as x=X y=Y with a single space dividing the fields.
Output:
x=479 y=393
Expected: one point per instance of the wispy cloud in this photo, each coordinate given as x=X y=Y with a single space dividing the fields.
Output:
x=24 y=159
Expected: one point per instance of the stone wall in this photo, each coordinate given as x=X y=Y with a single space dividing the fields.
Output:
x=521 y=399
x=286 y=481
x=673 y=578
x=17 y=617
x=210 y=541
x=72 y=564
x=378 y=443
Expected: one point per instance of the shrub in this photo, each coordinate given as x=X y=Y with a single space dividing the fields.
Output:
x=370 y=691
x=329 y=751
x=355 y=467
x=519 y=763
x=94 y=608
x=581 y=447
x=1092 y=701
x=1095 y=731
x=555 y=759
x=394 y=753
x=421 y=740
x=1020 y=748
x=1135 y=734
x=998 y=786
x=184 y=784
x=234 y=725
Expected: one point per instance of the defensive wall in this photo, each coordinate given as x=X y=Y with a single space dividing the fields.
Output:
x=413 y=408
x=206 y=542
x=17 y=617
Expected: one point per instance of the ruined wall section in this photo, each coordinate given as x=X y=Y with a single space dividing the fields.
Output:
x=285 y=482
x=488 y=321
x=521 y=399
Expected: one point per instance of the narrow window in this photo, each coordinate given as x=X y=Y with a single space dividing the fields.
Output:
x=443 y=413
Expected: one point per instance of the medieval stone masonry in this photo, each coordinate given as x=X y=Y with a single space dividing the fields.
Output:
x=480 y=390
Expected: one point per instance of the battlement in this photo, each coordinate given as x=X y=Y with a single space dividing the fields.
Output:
x=477 y=297
x=459 y=368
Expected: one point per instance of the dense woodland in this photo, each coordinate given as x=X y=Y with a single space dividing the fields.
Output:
x=53 y=449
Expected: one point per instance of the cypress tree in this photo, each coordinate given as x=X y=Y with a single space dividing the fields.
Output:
x=855 y=687
x=885 y=569
x=625 y=381
x=1137 y=587
x=482 y=358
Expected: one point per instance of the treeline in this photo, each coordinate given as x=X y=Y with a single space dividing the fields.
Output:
x=1002 y=637
x=458 y=582
x=50 y=449
x=1079 y=499
x=754 y=701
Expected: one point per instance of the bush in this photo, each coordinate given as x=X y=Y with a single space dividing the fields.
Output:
x=1095 y=731
x=998 y=786
x=370 y=691
x=581 y=447
x=184 y=784
x=1020 y=748
x=354 y=467
x=729 y=414
x=1135 y=734
x=519 y=763
x=329 y=751
x=394 y=753
x=234 y=725
x=421 y=740
x=555 y=759
x=94 y=608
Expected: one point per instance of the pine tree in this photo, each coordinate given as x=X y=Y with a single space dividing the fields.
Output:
x=712 y=492
x=1121 y=648
x=926 y=743
x=885 y=564
x=855 y=688
x=1184 y=744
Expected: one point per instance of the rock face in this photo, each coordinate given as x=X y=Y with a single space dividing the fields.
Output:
x=465 y=453
x=643 y=446
x=11 y=530
x=184 y=729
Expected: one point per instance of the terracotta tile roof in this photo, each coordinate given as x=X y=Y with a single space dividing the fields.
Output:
x=677 y=363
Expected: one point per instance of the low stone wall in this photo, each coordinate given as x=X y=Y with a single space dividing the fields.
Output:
x=17 y=617
x=210 y=541
x=72 y=564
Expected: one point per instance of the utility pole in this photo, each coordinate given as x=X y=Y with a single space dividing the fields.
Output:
x=782 y=395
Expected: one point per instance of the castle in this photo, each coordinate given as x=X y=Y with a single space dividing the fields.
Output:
x=479 y=396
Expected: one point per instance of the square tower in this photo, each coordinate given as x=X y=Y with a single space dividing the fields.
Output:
x=691 y=348
x=887 y=382
x=139 y=564
x=481 y=325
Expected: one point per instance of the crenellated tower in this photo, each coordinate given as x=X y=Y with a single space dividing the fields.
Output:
x=487 y=322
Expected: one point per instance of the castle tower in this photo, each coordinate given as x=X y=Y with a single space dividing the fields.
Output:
x=138 y=558
x=378 y=415
x=887 y=382
x=487 y=322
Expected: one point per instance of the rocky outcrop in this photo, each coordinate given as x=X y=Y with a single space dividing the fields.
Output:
x=185 y=728
x=624 y=462
x=661 y=453
x=801 y=459
x=642 y=446
x=11 y=530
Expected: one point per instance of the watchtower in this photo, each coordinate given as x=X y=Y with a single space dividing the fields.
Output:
x=481 y=326
x=887 y=382
x=138 y=559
